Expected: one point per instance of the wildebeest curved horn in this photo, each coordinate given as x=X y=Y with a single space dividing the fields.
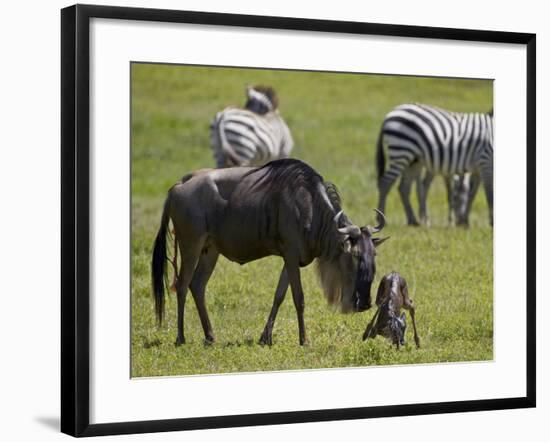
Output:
x=382 y=222
x=337 y=216
x=350 y=230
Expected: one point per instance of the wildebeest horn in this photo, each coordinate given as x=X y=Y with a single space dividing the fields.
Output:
x=351 y=230
x=382 y=222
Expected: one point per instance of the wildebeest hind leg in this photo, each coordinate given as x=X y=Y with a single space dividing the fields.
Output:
x=202 y=274
x=189 y=258
x=282 y=287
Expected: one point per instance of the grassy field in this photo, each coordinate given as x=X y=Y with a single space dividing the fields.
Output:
x=335 y=120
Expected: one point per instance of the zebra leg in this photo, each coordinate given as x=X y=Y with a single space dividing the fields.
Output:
x=407 y=178
x=451 y=203
x=463 y=215
x=386 y=181
x=422 y=188
x=282 y=287
x=487 y=177
x=202 y=274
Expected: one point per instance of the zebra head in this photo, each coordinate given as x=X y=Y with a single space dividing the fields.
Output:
x=261 y=99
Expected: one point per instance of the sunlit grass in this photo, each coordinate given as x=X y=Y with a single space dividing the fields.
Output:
x=335 y=120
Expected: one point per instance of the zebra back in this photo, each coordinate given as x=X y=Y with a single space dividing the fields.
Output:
x=445 y=142
x=240 y=137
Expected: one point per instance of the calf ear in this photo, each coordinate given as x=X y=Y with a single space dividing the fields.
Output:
x=378 y=241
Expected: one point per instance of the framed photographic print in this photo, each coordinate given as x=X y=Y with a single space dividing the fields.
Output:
x=214 y=165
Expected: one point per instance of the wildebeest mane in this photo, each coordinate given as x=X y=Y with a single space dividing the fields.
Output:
x=280 y=174
x=333 y=196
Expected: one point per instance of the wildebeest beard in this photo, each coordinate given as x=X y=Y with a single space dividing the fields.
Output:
x=363 y=282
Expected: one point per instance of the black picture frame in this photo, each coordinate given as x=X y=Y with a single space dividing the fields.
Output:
x=75 y=212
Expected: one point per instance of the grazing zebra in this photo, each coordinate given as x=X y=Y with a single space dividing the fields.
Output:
x=458 y=193
x=251 y=136
x=416 y=136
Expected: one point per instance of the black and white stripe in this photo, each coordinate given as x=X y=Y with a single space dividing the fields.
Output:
x=252 y=136
x=416 y=136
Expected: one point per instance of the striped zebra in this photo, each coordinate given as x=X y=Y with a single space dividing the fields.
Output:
x=251 y=136
x=458 y=146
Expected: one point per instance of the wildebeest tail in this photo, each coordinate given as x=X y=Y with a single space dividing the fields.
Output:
x=158 y=264
x=380 y=158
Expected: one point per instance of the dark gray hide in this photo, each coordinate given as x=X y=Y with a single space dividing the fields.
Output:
x=284 y=209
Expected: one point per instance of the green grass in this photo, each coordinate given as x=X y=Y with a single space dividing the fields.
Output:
x=335 y=119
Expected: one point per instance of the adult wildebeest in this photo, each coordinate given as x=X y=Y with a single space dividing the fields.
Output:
x=284 y=208
x=388 y=321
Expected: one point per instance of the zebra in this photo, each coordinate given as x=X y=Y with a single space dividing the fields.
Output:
x=251 y=136
x=417 y=136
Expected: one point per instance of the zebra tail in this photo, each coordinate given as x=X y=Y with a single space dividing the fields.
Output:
x=380 y=158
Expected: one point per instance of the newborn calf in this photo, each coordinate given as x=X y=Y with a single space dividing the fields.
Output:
x=388 y=321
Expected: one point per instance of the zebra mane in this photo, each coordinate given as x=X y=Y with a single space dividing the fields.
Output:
x=261 y=99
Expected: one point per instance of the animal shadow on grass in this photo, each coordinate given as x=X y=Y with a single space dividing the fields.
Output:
x=149 y=343
x=248 y=342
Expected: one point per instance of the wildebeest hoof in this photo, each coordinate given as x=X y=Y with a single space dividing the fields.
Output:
x=179 y=341
x=209 y=340
x=414 y=223
x=304 y=343
x=266 y=340
x=417 y=342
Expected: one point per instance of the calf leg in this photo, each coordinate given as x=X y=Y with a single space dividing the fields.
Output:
x=280 y=292
x=370 y=331
x=409 y=305
x=416 y=338
x=204 y=270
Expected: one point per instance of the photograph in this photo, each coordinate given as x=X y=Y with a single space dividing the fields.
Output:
x=362 y=199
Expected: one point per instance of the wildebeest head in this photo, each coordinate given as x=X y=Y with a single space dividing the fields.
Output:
x=349 y=279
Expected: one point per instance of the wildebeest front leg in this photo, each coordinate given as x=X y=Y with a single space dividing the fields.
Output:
x=293 y=271
x=202 y=274
x=282 y=287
